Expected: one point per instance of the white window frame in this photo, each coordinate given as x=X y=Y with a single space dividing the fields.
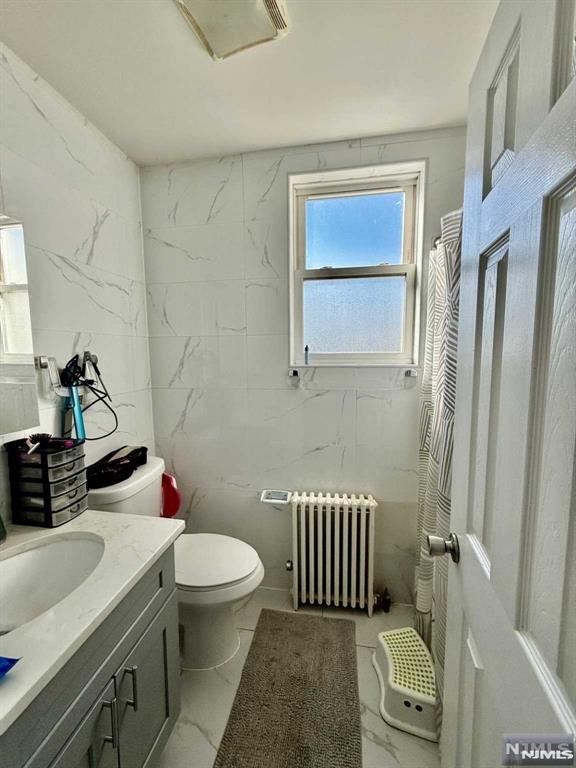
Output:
x=392 y=177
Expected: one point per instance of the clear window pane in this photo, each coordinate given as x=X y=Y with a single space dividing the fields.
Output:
x=12 y=255
x=360 y=314
x=354 y=230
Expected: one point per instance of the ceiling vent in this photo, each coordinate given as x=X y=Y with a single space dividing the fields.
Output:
x=226 y=27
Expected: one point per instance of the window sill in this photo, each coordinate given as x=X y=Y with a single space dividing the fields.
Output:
x=309 y=366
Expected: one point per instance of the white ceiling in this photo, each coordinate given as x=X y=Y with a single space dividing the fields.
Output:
x=348 y=68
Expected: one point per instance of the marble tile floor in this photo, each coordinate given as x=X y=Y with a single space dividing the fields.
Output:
x=207 y=696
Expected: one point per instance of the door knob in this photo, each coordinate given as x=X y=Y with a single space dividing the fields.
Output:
x=439 y=546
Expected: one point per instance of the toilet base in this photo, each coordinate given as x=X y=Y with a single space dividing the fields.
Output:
x=209 y=637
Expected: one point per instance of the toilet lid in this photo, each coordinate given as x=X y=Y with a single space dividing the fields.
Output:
x=211 y=560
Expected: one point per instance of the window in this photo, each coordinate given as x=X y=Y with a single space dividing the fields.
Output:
x=353 y=265
x=15 y=333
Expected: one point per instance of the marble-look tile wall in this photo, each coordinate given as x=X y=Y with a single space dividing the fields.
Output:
x=79 y=199
x=228 y=420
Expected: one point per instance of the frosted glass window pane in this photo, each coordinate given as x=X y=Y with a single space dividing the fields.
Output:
x=354 y=315
x=354 y=230
x=15 y=322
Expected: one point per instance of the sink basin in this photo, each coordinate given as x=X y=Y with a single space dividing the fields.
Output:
x=38 y=576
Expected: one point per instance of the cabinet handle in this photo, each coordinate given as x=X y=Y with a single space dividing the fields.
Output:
x=113 y=707
x=133 y=671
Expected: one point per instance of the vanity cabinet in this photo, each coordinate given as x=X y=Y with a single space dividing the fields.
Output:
x=93 y=741
x=143 y=691
x=114 y=704
x=127 y=720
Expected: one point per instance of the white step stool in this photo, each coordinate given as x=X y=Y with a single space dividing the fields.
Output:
x=407 y=682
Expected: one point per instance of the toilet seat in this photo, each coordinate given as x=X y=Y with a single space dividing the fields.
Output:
x=210 y=561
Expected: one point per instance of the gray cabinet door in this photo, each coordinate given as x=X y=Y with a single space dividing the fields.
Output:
x=95 y=741
x=148 y=690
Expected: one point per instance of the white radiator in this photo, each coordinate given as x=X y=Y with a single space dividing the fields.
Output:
x=333 y=549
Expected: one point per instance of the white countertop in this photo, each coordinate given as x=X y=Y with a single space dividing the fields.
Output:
x=132 y=544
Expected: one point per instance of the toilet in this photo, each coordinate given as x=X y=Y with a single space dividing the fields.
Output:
x=213 y=572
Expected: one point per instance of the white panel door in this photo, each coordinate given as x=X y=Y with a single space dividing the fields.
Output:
x=511 y=649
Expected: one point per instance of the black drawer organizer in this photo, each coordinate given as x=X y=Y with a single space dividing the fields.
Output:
x=48 y=485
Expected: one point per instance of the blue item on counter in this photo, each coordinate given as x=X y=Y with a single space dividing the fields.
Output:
x=6 y=665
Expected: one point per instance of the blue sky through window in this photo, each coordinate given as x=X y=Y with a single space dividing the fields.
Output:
x=354 y=230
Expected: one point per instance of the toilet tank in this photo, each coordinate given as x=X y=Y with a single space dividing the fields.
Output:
x=140 y=494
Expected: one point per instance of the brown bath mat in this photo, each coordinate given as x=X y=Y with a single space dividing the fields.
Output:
x=297 y=704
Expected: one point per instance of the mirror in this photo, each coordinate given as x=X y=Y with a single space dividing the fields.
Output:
x=18 y=395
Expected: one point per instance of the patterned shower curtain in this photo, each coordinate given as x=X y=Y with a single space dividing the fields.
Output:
x=436 y=434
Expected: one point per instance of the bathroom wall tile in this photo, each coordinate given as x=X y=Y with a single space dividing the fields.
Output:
x=38 y=123
x=78 y=197
x=390 y=378
x=396 y=549
x=199 y=309
x=140 y=363
x=192 y=463
x=224 y=307
x=58 y=219
x=199 y=361
x=295 y=467
x=397 y=574
x=381 y=417
x=209 y=413
x=187 y=254
x=395 y=530
x=131 y=262
x=174 y=309
x=124 y=177
x=267 y=306
x=306 y=419
x=266 y=249
x=392 y=482
x=314 y=378
x=115 y=357
x=177 y=362
x=266 y=176
x=138 y=308
x=202 y=192
x=208 y=463
x=268 y=359
x=67 y=295
x=63 y=222
x=336 y=429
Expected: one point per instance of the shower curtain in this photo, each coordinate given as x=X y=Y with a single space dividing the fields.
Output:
x=436 y=434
